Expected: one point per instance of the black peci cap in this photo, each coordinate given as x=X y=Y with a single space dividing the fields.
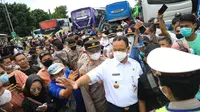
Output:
x=92 y=45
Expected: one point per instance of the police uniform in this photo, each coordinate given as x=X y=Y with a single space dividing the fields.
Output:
x=61 y=57
x=120 y=83
x=93 y=95
x=73 y=54
x=173 y=64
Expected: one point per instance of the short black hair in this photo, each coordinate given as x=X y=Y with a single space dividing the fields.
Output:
x=18 y=55
x=184 y=86
x=175 y=20
x=165 y=38
x=124 y=38
x=188 y=17
x=147 y=24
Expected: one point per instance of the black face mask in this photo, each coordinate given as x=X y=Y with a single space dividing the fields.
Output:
x=73 y=48
x=60 y=47
x=48 y=63
x=179 y=36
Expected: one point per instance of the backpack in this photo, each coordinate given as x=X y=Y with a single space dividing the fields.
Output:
x=152 y=88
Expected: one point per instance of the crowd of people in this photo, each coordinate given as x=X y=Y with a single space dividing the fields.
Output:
x=124 y=70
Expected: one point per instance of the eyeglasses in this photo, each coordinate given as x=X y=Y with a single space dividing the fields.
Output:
x=33 y=90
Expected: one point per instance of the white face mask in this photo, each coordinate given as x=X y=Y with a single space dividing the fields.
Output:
x=120 y=56
x=95 y=56
x=5 y=97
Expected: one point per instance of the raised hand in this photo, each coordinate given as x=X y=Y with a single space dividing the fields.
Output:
x=63 y=82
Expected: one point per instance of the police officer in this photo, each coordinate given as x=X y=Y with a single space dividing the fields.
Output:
x=60 y=55
x=120 y=78
x=74 y=52
x=93 y=95
x=178 y=78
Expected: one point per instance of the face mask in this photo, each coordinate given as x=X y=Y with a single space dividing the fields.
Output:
x=60 y=47
x=48 y=63
x=4 y=78
x=73 y=48
x=186 y=32
x=179 y=36
x=5 y=97
x=63 y=76
x=95 y=56
x=120 y=56
x=142 y=54
x=9 y=67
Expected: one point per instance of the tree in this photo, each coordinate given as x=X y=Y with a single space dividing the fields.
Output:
x=60 y=12
x=23 y=22
x=39 y=16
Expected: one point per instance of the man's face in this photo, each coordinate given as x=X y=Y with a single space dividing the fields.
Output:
x=7 y=62
x=177 y=30
x=61 y=73
x=120 y=46
x=38 y=51
x=22 y=61
x=147 y=32
x=187 y=24
x=164 y=43
x=46 y=58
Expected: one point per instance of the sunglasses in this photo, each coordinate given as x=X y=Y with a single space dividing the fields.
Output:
x=33 y=90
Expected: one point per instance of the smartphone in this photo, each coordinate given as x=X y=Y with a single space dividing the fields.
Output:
x=142 y=29
x=162 y=9
x=12 y=80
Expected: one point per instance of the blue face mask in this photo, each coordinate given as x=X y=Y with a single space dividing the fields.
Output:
x=142 y=54
x=4 y=78
x=186 y=32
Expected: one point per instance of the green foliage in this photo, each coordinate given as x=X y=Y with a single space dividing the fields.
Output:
x=21 y=19
x=39 y=16
x=24 y=20
x=60 y=12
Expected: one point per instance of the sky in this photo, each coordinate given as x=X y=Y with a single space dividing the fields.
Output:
x=71 y=4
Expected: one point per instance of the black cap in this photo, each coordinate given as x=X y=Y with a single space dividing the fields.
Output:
x=42 y=54
x=92 y=45
x=88 y=38
x=150 y=47
x=70 y=40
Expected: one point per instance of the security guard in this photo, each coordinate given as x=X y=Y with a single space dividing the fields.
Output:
x=74 y=52
x=120 y=78
x=93 y=95
x=178 y=78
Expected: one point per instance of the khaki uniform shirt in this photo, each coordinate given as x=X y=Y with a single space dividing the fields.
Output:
x=93 y=95
x=74 y=55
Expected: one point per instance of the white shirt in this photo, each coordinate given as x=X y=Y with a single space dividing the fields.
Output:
x=126 y=76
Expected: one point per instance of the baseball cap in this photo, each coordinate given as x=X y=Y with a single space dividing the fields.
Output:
x=55 y=68
x=168 y=60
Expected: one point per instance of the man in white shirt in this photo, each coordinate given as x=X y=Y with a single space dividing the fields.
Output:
x=120 y=78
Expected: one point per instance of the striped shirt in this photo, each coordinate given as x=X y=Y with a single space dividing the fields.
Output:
x=17 y=98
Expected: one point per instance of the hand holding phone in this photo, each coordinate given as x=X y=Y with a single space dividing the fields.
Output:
x=142 y=29
x=162 y=9
x=42 y=108
x=12 y=80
